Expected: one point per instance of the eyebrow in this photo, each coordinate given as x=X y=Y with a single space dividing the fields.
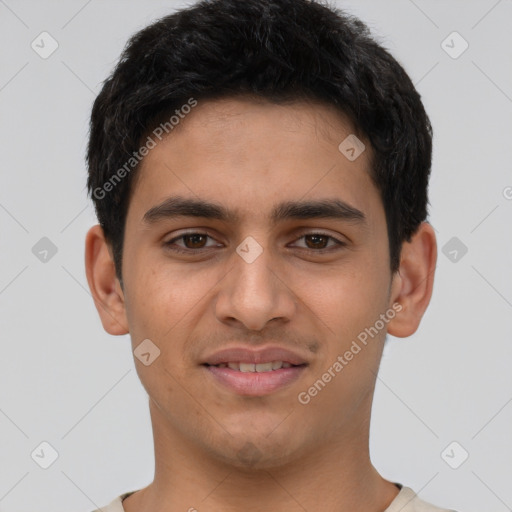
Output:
x=176 y=206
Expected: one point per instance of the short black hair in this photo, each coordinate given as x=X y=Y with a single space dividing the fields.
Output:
x=278 y=50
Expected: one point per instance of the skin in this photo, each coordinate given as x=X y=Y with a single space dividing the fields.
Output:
x=214 y=449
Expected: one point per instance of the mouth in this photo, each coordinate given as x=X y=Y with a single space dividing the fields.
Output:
x=251 y=379
x=255 y=367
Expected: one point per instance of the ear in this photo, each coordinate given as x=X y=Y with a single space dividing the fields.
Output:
x=413 y=282
x=104 y=285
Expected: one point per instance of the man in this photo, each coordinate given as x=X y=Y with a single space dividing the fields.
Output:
x=259 y=170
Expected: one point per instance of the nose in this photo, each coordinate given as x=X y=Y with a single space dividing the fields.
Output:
x=254 y=292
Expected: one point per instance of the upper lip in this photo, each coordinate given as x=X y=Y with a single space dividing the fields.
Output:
x=245 y=355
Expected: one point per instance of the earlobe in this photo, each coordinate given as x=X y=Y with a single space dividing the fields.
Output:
x=103 y=283
x=413 y=283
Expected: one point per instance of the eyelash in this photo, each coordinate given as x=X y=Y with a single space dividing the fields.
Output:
x=169 y=244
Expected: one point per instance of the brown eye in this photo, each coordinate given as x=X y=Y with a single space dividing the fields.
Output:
x=196 y=241
x=318 y=242
x=192 y=242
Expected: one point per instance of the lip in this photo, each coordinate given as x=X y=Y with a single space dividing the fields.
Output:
x=246 y=355
x=255 y=383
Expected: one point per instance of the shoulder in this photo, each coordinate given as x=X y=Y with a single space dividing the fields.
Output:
x=408 y=501
x=116 y=505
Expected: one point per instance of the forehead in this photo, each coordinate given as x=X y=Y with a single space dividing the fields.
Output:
x=249 y=113
x=252 y=155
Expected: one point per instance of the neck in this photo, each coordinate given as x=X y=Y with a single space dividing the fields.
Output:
x=337 y=475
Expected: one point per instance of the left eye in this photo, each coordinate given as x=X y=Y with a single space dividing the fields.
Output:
x=318 y=241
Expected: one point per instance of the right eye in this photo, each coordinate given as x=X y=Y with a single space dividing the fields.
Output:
x=193 y=241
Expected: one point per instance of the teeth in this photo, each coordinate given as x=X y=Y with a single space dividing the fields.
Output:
x=247 y=367
x=264 y=367
x=252 y=367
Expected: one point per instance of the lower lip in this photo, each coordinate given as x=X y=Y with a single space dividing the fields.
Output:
x=255 y=383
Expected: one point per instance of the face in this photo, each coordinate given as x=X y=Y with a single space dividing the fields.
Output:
x=257 y=269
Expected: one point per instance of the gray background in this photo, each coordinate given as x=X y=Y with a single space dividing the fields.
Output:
x=65 y=381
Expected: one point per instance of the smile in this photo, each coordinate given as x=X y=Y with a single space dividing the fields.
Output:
x=251 y=379
x=253 y=367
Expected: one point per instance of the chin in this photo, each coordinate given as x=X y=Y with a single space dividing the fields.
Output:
x=253 y=453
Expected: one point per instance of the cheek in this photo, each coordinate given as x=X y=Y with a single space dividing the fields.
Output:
x=160 y=295
x=167 y=305
x=348 y=298
x=161 y=308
